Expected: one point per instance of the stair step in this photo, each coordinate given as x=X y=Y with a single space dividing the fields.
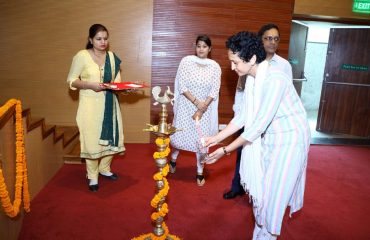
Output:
x=65 y=133
x=47 y=130
x=68 y=133
x=76 y=150
x=73 y=160
x=34 y=122
x=73 y=157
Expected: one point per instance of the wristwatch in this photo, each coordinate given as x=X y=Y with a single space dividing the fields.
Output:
x=225 y=152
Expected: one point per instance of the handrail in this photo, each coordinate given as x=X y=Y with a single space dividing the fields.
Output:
x=4 y=118
x=31 y=123
x=299 y=79
x=349 y=84
x=21 y=182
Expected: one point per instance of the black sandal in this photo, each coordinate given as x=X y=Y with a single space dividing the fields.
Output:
x=200 y=180
x=172 y=167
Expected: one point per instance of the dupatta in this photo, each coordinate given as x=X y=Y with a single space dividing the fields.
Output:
x=251 y=164
x=110 y=132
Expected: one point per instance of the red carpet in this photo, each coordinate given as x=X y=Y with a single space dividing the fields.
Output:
x=336 y=202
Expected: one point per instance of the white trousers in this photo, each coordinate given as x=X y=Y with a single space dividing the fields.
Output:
x=199 y=156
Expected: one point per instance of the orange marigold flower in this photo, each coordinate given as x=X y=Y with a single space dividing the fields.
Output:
x=21 y=183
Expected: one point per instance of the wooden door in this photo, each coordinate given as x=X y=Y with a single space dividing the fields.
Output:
x=297 y=54
x=345 y=96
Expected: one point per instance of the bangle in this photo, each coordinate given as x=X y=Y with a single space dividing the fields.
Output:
x=225 y=152
x=194 y=100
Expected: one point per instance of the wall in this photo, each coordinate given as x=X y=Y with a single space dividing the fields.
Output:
x=329 y=9
x=39 y=39
x=177 y=23
x=44 y=158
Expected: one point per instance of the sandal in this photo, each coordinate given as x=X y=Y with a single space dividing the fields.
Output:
x=200 y=180
x=172 y=167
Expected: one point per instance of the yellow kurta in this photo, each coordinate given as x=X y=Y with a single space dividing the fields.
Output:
x=91 y=107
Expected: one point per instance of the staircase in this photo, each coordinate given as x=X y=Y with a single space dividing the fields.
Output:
x=67 y=134
x=73 y=156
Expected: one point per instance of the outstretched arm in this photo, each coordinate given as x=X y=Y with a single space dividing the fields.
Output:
x=229 y=130
x=225 y=150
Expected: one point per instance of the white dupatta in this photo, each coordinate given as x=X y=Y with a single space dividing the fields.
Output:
x=251 y=169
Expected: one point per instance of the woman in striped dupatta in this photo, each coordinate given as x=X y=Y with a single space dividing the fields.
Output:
x=275 y=139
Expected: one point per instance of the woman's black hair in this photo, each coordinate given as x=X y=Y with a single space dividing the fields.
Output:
x=94 y=29
x=267 y=27
x=246 y=44
x=205 y=39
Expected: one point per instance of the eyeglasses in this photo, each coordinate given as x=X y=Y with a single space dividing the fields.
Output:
x=269 y=38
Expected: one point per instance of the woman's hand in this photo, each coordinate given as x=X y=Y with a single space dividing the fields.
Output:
x=201 y=106
x=198 y=114
x=211 y=141
x=97 y=87
x=214 y=156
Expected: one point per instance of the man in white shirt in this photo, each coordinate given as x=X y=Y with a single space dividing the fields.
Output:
x=270 y=37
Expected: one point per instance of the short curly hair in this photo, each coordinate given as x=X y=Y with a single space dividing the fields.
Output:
x=246 y=44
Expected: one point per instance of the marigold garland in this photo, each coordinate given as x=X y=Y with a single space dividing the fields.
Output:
x=162 y=141
x=161 y=213
x=163 y=154
x=162 y=193
x=160 y=176
x=21 y=182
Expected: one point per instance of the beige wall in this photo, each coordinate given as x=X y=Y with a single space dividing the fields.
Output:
x=328 y=8
x=39 y=39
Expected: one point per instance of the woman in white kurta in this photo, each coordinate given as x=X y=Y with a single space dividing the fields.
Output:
x=197 y=86
x=275 y=139
x=98 y=117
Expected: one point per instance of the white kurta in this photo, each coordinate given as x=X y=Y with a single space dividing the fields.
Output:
x=202 y=78
x=280 y=117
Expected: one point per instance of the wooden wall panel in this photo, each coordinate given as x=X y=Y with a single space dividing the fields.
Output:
x=328 y=10
x=41 y=37
x=176 y=23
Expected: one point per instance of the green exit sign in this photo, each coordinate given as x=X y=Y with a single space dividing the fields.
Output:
x=361 y=6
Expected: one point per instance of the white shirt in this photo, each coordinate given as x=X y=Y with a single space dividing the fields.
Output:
x=282 y=64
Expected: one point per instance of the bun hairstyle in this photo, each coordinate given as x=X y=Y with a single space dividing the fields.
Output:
x=94 y=29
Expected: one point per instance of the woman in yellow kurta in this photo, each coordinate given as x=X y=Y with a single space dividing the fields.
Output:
x=98 y=117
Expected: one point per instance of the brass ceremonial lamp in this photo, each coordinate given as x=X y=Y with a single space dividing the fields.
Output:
x=163 y=130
